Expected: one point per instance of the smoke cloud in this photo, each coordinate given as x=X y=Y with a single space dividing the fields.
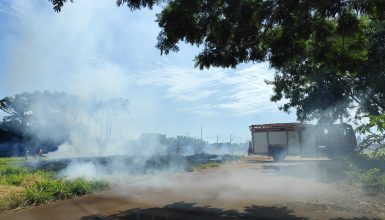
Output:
x=87 y=52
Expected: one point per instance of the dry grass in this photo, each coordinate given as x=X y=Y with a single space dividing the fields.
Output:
x=7 y=196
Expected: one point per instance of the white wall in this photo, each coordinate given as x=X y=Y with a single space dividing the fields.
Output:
x=294 y=144
x=278 y=137
x=260 y=143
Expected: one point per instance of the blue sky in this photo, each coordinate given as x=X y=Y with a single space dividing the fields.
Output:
x=93 y=48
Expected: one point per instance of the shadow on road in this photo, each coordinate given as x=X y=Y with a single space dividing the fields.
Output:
x=182 y=211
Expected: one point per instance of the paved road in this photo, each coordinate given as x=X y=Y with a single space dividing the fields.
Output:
x=247 y=189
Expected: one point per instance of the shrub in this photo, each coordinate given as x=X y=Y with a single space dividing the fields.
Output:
x=81 y=186
x=372 y=178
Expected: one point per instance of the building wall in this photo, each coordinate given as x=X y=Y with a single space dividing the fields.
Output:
x=260 y=143
x=295 y=147
x=277 y=137
x=294 y=143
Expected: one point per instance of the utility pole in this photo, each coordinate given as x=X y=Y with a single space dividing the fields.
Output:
x=201 y=132
x=217 y=139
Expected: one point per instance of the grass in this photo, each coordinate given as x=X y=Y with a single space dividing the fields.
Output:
x=366 y=170
x=21 y=186
x=203 y=166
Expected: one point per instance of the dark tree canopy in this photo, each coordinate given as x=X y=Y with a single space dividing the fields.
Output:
x=236 y=31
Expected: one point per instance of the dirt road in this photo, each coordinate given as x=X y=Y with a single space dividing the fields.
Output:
x=247 y=189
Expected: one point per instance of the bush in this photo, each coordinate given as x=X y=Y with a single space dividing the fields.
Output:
x=372 y=178
x=82 y=187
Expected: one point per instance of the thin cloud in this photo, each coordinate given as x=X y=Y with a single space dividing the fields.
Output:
x=183 y=84
x=215 y=91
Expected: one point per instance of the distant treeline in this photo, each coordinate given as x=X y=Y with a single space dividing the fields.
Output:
x=44 y=120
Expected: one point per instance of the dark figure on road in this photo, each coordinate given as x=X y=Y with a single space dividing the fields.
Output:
x=250 y=150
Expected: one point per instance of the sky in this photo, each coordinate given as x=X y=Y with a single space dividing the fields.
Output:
x=96 y=49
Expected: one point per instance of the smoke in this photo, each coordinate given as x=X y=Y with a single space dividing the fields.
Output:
x=85 y=51
x=150 y=153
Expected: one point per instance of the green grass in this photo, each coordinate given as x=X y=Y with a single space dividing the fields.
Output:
x=22 y=187
x=366 y=170
x=203 y=166
x=9 y=160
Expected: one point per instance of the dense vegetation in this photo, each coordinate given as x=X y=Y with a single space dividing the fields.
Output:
x=21 y=186
x=366 y=170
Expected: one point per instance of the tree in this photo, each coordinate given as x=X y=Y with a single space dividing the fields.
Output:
x=350 y=81
x=232 y=32
x=47 y=119
x=329 y=55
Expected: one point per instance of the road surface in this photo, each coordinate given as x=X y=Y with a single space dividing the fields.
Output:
x=247 y=189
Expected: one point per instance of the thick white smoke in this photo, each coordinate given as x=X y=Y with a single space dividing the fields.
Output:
x=80 y=51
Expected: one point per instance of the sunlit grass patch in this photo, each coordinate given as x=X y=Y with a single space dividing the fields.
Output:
x=6 y=195
x=10 y=160
x=21 y=186
x=204 y=166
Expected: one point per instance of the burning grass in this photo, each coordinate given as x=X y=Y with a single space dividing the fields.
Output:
x=20 y=186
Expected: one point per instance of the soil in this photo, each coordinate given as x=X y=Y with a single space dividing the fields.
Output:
x=251 y=188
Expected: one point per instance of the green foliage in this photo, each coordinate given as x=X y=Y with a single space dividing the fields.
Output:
x=43 y=192
x=231 y=32
x=55 y=189
x=375 y=134
x=8 y=160
x=12 y=170
x=83 y=187
x=204 y=166
x=373 y=179
x=38 y=187
x=366 y=170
